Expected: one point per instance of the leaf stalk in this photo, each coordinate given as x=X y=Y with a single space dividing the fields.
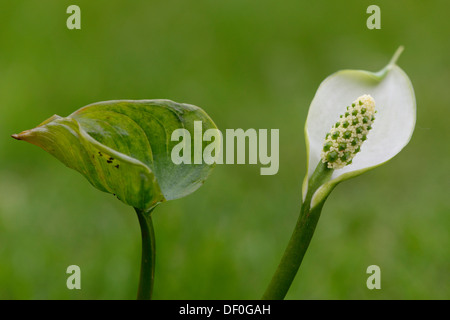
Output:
x=147 y=274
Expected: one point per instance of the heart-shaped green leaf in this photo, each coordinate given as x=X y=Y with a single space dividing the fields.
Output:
x=124 y=147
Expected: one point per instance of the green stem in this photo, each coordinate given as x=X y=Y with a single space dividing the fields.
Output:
x=300 y=239
x=148 y=255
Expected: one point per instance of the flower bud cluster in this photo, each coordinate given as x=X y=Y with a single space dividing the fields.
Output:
x=346 y=136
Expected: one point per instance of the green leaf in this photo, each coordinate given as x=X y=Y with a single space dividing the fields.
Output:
x=124 y=147
x=392 y=129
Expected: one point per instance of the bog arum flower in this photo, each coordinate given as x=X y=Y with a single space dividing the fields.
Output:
x=393 y=93
x=357 y=121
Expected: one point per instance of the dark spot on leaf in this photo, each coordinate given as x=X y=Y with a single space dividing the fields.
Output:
x=117 y=166
x=100 y=154
x=109 y=161
x=111 y=158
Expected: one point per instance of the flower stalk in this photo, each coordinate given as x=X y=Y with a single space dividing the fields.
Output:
x=300 y=239
x=341 y=145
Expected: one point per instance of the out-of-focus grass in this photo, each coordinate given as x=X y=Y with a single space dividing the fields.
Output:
x=249 y=65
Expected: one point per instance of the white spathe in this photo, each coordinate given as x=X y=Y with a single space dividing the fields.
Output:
x=391 y=131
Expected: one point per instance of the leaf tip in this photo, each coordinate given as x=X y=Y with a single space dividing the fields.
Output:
x=27 y=135
x=21 y=136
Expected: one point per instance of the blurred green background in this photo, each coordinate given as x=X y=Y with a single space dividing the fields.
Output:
x=248 y=64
